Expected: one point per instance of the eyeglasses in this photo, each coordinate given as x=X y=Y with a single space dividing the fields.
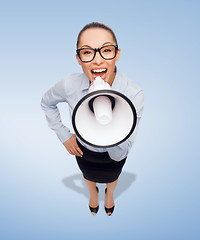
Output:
x=106 y=52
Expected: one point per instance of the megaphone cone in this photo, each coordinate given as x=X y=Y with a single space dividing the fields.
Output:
x=104 y=118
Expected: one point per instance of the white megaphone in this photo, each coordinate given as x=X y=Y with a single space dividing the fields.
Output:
x=104 y=118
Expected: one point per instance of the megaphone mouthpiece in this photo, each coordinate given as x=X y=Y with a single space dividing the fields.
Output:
x=98 y=84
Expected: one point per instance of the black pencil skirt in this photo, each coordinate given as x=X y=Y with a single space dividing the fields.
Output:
x=99 y=167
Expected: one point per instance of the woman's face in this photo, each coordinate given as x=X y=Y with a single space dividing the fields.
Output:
x=96 y=38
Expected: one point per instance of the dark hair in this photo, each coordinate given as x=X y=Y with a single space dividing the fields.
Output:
x=95 y=25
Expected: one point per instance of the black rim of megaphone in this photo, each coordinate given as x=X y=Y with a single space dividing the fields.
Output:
x=103 y=92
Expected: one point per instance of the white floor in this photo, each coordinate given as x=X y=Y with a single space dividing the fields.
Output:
x=43 y=195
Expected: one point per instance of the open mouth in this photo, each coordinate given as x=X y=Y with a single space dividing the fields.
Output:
x=99 y=73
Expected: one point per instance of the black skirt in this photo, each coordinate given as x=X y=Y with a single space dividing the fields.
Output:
x=98 y=166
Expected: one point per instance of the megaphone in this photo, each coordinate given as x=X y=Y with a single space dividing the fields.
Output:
x=104 y=118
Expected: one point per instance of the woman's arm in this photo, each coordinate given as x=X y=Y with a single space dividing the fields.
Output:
x=49 y=103
x=57 y=94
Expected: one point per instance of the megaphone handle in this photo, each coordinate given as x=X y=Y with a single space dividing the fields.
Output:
x=112 y=99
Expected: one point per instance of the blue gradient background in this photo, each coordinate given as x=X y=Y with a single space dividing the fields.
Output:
x=42 y=193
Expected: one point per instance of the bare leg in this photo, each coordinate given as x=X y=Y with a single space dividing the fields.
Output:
x=93 y=193
x=109 y=201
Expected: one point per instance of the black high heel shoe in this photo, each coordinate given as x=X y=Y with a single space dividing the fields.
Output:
x=109 y=211
x=96 y=209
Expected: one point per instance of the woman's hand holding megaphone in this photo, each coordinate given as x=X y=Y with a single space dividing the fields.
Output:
x=72 y=146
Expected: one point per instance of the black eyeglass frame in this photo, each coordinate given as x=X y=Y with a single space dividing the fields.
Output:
x=97 y=50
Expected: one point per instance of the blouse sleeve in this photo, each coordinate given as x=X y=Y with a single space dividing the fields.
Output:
x=49 y=103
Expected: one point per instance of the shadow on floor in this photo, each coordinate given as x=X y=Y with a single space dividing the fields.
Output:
x=77 y=184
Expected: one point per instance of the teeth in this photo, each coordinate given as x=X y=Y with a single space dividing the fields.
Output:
x=99 y=70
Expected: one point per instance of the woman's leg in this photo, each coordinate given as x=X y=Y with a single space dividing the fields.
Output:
x=93 y=193
x=109 y=201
